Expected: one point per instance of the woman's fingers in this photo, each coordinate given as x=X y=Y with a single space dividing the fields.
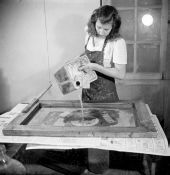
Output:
x=85 y=68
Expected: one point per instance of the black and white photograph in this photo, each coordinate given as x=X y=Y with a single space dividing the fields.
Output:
x=84 y=87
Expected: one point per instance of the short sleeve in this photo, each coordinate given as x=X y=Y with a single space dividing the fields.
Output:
x=119 y=52
x=86 y=38
x=86 y=34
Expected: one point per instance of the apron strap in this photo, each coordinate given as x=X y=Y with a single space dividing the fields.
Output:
x=87 y=42
x=104 y=45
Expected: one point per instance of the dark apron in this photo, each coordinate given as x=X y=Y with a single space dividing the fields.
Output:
x=103 y=89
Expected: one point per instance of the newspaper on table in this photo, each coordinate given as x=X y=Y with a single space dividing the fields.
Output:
x=156 y=146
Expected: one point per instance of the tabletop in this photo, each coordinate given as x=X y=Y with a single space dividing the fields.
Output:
x=156 y=145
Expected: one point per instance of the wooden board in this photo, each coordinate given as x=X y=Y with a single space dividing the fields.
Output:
x=67 y=119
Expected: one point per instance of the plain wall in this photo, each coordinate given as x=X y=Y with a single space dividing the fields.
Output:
x=36 y=38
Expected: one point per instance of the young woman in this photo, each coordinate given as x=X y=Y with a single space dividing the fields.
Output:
x=107 y=52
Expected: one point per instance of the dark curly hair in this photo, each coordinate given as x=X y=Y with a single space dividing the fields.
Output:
x=105 y=14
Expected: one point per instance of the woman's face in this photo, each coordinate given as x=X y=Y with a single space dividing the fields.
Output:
x=103 y=29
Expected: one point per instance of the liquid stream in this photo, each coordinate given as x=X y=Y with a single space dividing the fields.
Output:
x=82 y=109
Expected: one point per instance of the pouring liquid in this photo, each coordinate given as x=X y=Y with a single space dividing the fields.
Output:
x=82 y=109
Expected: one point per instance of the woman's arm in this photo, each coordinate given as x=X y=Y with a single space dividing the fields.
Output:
x=119 y=58
x=118 y=71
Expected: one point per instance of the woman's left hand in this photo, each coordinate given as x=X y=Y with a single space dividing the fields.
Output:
x=88 y=67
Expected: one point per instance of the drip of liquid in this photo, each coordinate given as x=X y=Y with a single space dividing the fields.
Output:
x=82 y=112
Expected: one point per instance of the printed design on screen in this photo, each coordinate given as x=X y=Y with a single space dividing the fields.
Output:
x=91 y=117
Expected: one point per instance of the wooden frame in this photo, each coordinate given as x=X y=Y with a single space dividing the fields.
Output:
x=25 y=125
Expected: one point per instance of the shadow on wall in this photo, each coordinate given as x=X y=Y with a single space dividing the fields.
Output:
x=4 y=93
x=70 y=36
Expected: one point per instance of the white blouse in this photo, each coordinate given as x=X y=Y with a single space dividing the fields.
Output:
x=115 y=51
